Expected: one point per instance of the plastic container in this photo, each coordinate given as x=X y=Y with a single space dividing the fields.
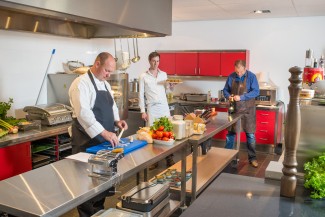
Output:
x=179 y=129
x=29 y=125
x=306 y=94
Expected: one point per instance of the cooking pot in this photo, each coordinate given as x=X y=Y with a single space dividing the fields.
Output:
x=134 y=85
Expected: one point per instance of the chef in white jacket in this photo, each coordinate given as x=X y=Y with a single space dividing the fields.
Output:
x=152 y=95
x=152 y=91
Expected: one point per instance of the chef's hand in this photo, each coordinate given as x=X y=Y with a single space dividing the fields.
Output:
x=121 y=124
x=144 y=116
x=111 y=137
x=237 y=98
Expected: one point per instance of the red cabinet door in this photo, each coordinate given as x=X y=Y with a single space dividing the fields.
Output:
x=167 y=63
x=227 y=61
x=186 y=63
x=209 y=64
x=15 y=160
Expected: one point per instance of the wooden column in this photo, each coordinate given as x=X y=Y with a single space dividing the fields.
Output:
x=291 y=135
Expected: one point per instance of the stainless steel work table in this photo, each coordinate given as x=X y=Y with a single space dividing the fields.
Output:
x=57 y=188
x=32 y=135
x=216 y=125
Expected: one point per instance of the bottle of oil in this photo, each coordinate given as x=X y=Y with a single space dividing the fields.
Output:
x=231 y=108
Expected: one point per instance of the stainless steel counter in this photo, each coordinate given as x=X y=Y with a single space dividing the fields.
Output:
x=32 y=135
x=235 y=195
x=312 y=137
x=57 y=188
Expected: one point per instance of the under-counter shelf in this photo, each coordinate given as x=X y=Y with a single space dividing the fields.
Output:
x=41 y=147
x=209 y=166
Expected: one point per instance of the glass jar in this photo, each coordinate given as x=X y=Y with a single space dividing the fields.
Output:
x=179 y=127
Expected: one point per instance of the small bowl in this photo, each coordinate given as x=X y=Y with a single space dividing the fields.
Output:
x=168 y=175
x=177 y=182
x=173 y=171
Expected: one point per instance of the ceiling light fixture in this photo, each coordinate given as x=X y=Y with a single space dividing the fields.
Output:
x=262 y=11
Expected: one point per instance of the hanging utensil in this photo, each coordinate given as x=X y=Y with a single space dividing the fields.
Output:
x=135 y=56
x=122 y=51
x=138 y=57
x=115 y=50
x=129 y=60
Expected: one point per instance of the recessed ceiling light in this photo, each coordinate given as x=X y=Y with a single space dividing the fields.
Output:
x=262 y=11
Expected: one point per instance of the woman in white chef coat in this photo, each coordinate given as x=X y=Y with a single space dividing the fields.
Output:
x=152 y=94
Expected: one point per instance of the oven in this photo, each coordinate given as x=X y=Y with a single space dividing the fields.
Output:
x=267 y=97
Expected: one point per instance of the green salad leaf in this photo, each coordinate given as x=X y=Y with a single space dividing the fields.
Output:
x=315 y=176
x=5 y=107
x=163 y=121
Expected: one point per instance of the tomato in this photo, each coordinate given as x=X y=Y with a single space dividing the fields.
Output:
x=160 y=134
x=172 y=137
x=161 y=128
x=154 y=136
x=165 y=138
x=166 y=134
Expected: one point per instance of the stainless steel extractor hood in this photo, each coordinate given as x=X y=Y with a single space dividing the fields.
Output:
x=88 y=19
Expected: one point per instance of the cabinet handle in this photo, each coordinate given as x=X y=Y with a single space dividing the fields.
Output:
x=263 y=114
x=194 y=70
x=199 y=71
x=263 y=139
x=264 y=122
x=265 y=131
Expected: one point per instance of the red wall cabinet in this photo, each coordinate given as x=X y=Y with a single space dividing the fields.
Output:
x=167 y=63
x=209 y=64
x=186 y=63
x=201 y=63
x=15 y=160
x=228 y=59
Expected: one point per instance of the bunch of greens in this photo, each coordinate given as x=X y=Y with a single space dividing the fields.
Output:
x=163 y=121
x=315 y=176
x=4 y=108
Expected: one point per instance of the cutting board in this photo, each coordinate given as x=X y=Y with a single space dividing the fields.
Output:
x=126 y=145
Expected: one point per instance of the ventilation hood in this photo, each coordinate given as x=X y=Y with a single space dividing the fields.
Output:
x=88 y=19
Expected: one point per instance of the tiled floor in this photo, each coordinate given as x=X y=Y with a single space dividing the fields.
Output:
x=243 y=168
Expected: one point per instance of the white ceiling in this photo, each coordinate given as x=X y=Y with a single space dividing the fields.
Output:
x=192 y=10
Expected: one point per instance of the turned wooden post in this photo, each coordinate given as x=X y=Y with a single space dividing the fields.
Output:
x=291 y=135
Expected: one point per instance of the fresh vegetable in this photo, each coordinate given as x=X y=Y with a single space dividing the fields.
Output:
x=3 y=132
x=315 y=176
x=4 y=108
x=13 y=121
x=162 y=124
x=9 y=127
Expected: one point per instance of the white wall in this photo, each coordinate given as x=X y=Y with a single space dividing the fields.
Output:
x=275 y=45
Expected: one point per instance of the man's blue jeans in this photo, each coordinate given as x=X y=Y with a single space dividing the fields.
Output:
x=230 y=141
